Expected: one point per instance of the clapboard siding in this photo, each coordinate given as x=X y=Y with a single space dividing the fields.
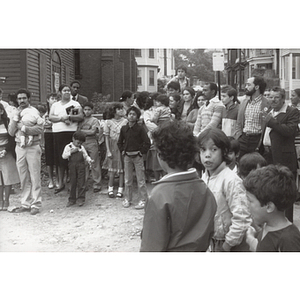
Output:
x=10 y=68
x=25 y=68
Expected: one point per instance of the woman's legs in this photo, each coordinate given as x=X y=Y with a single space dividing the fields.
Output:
x=7 y=190
x=1 y=197
x=51 y=179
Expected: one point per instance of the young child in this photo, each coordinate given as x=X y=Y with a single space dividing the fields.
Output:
x=179 y=215
x=162 y=112
x=233 y=217
x=233 y=154
x=249 y=162
x=133 y=143
x=29 y=117
x=270 y=191
x=89 y=126
x=112 y=128
x=77 y=156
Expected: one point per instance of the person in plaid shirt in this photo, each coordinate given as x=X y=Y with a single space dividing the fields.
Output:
x=249 y=124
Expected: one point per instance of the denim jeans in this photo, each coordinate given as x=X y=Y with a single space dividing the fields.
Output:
x=137 y=163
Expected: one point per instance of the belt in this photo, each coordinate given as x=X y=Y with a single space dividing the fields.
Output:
x=251 y=134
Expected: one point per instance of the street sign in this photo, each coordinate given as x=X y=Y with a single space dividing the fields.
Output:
x=218 y=61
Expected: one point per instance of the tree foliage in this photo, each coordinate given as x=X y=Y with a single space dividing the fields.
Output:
x=198 y=62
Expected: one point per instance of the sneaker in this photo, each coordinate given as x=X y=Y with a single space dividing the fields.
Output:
x=34 y=211
x=21 y=209
x=140 y=205
x=126 y=203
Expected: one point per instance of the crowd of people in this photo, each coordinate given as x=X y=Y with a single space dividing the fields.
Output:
x=224 y=170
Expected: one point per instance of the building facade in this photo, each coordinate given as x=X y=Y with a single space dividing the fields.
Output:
x=278 y=67
x=153 y=64
x=106 y=71
x=39 y=70
x=100 y=71
x=289 y=65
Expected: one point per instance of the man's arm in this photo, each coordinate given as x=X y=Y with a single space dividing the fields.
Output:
x=290 y=127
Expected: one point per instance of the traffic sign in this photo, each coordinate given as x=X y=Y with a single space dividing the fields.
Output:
x=218 y=61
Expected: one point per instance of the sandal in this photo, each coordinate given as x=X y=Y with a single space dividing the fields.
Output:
x=111 y=194
x=119 y=195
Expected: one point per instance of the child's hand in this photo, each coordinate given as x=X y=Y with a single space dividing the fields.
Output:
x=74 y=150
x=109 y=155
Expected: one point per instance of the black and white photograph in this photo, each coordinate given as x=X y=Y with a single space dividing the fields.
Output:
x=121 y=143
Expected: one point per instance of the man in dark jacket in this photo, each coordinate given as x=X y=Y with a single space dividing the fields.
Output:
x=280 y=132
x=75 y=86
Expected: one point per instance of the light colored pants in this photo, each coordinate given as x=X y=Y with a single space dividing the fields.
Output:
x=29 y=168
x=92 y=149
x=136 y=163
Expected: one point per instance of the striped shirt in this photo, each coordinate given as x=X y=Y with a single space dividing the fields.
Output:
x=209 y=116
x=253 y=116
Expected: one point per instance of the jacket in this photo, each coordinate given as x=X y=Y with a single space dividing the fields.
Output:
x=133 y=138
x=179 y=214
x=229 y=119
x=241 y=116
x=232 y=218
x=283 y=131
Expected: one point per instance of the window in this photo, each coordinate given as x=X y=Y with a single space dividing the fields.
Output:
x=139 y=78
x=151 y=53
x=138 y=52
x=77 y=63
x=56 y=71
x=151 y=77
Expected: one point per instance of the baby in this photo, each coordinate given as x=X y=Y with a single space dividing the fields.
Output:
x=29 y=117
x=162 y=111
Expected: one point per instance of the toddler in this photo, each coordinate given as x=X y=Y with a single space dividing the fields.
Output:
x=232 y=217
x=270 y=191
x=77 y=156
x=162 y=112
x=29 y=117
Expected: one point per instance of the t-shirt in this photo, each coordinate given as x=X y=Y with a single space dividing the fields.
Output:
x=283 y=240
x=60 y=110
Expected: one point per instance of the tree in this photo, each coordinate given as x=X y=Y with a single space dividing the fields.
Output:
x=198 y=62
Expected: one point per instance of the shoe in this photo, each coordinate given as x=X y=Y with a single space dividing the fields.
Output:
x=34 y=211
x=5 y=206
x=57 y=190
x=70 y=203
x=111 y=194
x=21 y=209
x=50 y=186
x=80 y=202
x=119 y=195
x=96 y=190
x=126 y=203
x=140 y=205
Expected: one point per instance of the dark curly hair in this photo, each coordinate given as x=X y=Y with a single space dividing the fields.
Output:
x=273 y=183
x=112 y=109
x=175 y=144
x=220 y=140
